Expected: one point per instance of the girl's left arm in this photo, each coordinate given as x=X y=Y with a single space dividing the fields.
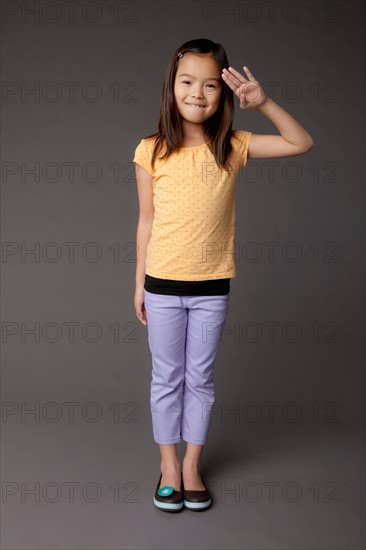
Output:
x=294 y=139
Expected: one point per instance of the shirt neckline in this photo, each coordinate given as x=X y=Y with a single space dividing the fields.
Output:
x=195 y=146
x=203 y=144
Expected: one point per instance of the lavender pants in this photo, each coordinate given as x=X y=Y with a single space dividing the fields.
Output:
x=184 y=334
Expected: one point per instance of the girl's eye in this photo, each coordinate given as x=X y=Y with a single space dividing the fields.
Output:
x=188 y=82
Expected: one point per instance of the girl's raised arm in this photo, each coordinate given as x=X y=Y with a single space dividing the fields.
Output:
x=294 y=139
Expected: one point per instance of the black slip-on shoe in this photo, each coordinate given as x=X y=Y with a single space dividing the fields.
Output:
x=167 y=498
x=197 y=500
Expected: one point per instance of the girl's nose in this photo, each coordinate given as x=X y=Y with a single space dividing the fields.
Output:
x=199 y=94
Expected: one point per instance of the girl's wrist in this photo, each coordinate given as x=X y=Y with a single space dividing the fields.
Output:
x=265 y=104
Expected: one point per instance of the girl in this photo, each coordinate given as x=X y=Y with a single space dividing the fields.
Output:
x=186 y=175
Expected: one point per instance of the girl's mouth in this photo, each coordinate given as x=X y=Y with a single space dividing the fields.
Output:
x=196 y=106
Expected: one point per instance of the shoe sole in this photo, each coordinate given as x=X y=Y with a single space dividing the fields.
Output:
x=168 y=506
x=197 y=506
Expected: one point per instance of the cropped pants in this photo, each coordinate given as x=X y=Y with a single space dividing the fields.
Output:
x=184 y=335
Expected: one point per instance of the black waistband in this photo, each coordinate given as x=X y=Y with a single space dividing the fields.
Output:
x=210 y=287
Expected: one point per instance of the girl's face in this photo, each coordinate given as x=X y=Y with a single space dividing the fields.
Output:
x=197 y=82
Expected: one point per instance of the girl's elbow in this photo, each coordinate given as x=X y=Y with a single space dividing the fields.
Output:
x=308 y=145
x=311 y=144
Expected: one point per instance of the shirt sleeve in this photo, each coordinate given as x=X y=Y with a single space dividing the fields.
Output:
x=244 y=148
x=142 y=156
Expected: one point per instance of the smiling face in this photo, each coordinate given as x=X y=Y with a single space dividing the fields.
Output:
x=197 y=88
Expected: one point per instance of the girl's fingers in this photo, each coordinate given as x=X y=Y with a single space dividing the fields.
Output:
x=250 y=75
x=230 y=82
x=233 y=82
x=230 y=77
x=239 y=76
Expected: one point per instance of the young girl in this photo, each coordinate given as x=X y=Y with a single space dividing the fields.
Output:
x=186 y=175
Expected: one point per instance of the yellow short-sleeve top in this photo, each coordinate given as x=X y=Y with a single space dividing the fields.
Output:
x=193 y=231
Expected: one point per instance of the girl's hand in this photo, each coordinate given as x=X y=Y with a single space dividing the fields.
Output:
x=249 y=92
x=139 y=303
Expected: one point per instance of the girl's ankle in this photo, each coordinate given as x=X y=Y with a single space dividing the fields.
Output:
x=169 y=466
x=189 y=465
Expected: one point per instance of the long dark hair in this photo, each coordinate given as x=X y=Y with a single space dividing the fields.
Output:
x=217 y=129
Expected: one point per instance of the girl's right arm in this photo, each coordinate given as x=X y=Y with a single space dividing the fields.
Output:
x=146 y=216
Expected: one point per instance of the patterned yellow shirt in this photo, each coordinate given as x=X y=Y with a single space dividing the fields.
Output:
x=193 y=231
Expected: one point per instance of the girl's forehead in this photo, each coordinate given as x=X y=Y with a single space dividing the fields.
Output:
x=192 y=62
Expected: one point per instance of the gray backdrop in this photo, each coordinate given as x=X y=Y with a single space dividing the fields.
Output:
x=284 y=458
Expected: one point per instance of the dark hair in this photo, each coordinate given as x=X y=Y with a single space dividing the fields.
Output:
x=217 y=129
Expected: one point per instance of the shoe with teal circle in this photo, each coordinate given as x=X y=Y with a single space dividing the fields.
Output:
x=167 y=499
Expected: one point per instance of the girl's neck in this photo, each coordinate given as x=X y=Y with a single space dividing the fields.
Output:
x=193 y=140
x=193 y=143
x=193 y=135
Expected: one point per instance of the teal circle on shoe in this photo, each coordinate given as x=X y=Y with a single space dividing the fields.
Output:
x=165 y=491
